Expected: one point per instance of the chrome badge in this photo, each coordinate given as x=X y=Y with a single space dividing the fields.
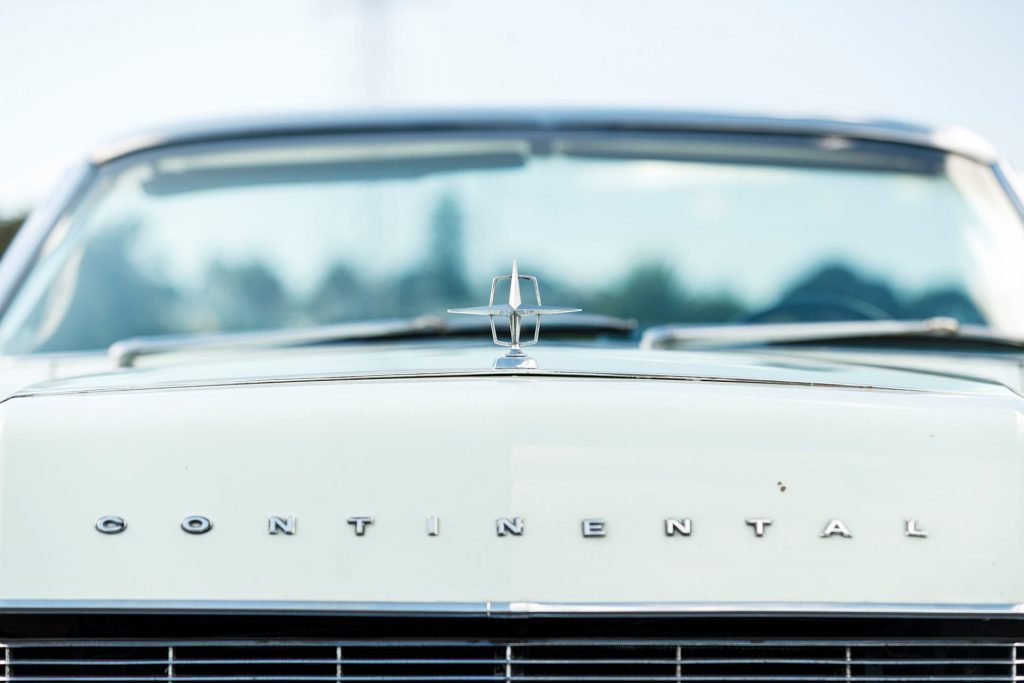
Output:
x=589 y=527
x=515 y=311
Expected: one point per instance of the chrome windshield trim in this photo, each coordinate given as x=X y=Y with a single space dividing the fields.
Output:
x=28 y=243
x=488 y=608
x=1011 y=182
x=42 y=391
x=953 y=140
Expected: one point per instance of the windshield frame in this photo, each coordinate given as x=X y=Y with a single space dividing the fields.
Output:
x=43 y=231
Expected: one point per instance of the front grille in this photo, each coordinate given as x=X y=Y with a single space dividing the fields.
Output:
x=600 y=659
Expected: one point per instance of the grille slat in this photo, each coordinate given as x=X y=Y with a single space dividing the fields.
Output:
x=519 y=678
x=602 y=660
x=518 y=662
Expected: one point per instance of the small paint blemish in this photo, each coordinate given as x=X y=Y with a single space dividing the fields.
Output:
x=782 y=487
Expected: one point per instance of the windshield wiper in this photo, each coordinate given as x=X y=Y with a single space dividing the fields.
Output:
x=125 y=352
x=939 y=330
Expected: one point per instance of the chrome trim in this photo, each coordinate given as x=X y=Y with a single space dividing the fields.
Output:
x=489 y=608
x=911 y=530
x=502 y=659
x=111 y=524
x=433 y=526
x=953 y=140
x=1011 y=182
x=483 y=643
x=359 y=524
x=196 y=524
x=678 y=525
x=835 y=527
x=509 y=525
x=281 y=525
x=41 y=391
x=627 y=608
x=28 y=243
x=759 y=524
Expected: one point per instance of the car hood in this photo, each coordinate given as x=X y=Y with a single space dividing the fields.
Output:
x=620 y=439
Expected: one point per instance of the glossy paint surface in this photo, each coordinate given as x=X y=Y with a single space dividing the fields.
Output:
x=551 y=450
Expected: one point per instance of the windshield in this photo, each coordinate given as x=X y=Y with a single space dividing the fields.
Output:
x=312 y=231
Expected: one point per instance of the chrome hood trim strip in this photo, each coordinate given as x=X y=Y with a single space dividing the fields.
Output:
x=445 y=374
x=612 y=609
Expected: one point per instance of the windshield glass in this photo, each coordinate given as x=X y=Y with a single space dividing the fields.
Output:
x=301 y=232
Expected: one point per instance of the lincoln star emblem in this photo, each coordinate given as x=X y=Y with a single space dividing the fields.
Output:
x=515 y=311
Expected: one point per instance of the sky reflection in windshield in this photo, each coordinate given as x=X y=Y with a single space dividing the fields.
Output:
x=660 y=241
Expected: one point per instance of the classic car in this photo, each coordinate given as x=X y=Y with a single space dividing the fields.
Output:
x=281 y=400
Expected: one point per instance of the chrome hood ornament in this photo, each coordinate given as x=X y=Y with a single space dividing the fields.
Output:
x=515 y=311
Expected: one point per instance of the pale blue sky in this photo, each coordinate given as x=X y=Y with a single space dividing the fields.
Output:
x=75 y=72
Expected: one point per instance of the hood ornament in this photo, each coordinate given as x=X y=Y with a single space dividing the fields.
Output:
x=515 y=311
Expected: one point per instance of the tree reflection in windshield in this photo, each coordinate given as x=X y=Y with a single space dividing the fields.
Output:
x=838 y=291
x=250 y=296
x=101 y=296
x=656 y=241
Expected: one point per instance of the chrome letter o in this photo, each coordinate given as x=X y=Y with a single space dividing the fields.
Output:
x=111 y=524
x=196 y=524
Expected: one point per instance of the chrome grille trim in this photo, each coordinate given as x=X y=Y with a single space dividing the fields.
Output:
x=492 y=608
x=488 y=608
x=679 y=663
x=513 y=660
x=560 y=642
